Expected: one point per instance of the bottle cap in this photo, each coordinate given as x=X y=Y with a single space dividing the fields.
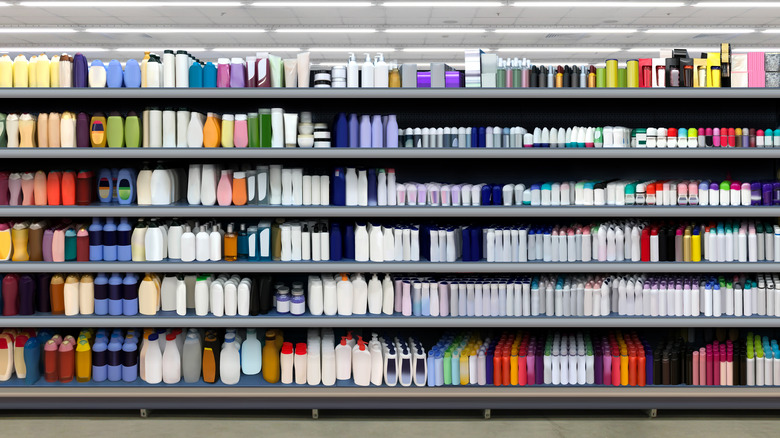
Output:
x=300 y=348
x=287 y=348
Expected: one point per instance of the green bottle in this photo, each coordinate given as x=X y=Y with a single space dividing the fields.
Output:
x=70 y=245
x=622 y=78
x=116 y=130
x=3 y=136
x=265 y=127
x=601 y=77
x=254 y=130
x=132 y=130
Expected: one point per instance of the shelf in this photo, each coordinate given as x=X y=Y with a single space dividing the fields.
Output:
x=258 y=211
x=219 y=396
x=273 y=319
x=388 y=93
x=396 y=267
x=385 y=153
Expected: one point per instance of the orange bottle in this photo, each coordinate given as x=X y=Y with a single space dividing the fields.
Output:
x=53 y=187
x=210 y=358
x=43 y=130
x=212 y=132
x=57 y=294
x=66 y=361
x=20 y=234
x=69 y=188
x=239 y=188
x=271 y=365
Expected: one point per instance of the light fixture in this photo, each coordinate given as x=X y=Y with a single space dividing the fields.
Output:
x=560 y=49
x=598 y=4
x=293 y=4
x=658 y=49
x=4 y=4
x=253 y=49
x=51 y=49
x=741 y=5
x=36 y=30
x=771 y=31
x=437 y=49
x=325 y=30
x=566 y=30
x=444 y=4
x=130 y=4
x=351 y=49
x=435 y=30
x=700 y=30
x=156 y=49
x=171 y=30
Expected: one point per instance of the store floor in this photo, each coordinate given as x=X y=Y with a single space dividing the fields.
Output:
x=467 y=424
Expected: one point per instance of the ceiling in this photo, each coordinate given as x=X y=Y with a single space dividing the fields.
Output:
x=224 y=29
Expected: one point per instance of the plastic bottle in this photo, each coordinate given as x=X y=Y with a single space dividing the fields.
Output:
x=32 y=73
x=202 y=244
x=251 y=353
x=132 y=74
x=171 y=361
x=223 y=73
x=160 y=185
x=210 y=75
x=54 y=72
x=381 y=72
x=87 y=295
x=43 y=71
x=343 y=353
x=367 y=75
x=287 y=362
x=353 y=72
x=300 y=363
x=215 y=244
x=361 y=364
x=270 y=366
x=153 y=360
x=21 y=75
x=212 y=135
x=154 y=72
x=80 y=71
x=237 y=73
x=240 y=131
x=169 y=69
x=191 y=357
x=97 y=74
x=230 y=362
x=66 y=71
x=196 y=75
x=6 y=71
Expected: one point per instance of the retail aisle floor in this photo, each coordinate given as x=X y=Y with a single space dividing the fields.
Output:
x=338 y=425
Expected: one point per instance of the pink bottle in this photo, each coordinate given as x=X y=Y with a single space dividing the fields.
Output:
x=225 y=189
x=223 y=73
x=240 y=131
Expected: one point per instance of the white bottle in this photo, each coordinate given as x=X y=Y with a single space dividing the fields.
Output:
x=377 y=361
x=202 y=296
x=208 y=184
x=195 y=130
x=344 y=293
x=171 y=361
x=286 y=361
x=168 y=293
x=300 y=363
x=169 y=69
x=275 y=184
x=374 y=295
x=97 y=76
x=153 y=360
x=153 y=243
x=330 y=297
x=160 y=185
x=193 y=184
x=351 y=184
x=144 y=187
x=181 y=296
x=187 y=245
x=169 y=128
x=328 y=355
x=182 y=69
x=242 y=297
x=388 y=295
x=231 y=296
x=315 y=300
x=361 y=364
x=313 y=364
x=343 y=353
x=174 y=241
x=359 y=295
x=362 y=188
x=229 y=362
x=361 y=243
x=202 y=245
x=376 y=243
x=155 y=128
x=353 y=72
x=381 y=72
x=367 y=76
x=215 y=244
x=153 y=72
x=251 y=354
x=217 y=297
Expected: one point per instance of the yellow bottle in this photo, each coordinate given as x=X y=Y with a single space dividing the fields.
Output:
x=623 y=367
x=43 y=71
x=394 y=79
x=54 y=71
x=6 y=246
x=228 y=124
x=513 y=368
x=271 y=366
x=212 y=136
x=696 y=247
x=21 y=78
x=32 y=72
x=143 y=69
x=148 y=296
x=19 y=235
x=464 y=367
x=83 y=360
x=6 y=71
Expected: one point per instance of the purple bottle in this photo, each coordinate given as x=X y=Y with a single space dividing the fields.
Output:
x=82 y=130
x=223 y=73
x=80 y=71
x=43 y=299
x=237 y=73
x=26 y=295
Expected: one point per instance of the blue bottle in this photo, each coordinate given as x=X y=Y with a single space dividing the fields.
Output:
x=354 y=131
x=349 y=241
x=99 y=360
x=242 y=244
x=342 y=131
x=482 y=139
x=209 y=75
x=101 y=294
x=498 y=194
x=474 y=137
x=114 y=359
x=123 y=235
x=80 y=71
x=372 y=187
x=109 y=240
x=32 y=361
x=115 y=295
x=114 y=74
x=125 y=186
x=339 y=187
x=130 y=295
x=96 y=240
x=130 y=360
x=132 y=74
x=335 y=242
x=196 y=75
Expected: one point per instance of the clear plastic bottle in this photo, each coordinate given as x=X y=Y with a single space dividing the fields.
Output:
x=191 y=357
x=230 y=362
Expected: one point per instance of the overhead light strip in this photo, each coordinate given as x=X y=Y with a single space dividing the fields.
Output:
x=436 y=30
x=718 y=30
x=565 y=30
x=130 y=4
x=597 y=4
x=51 y=49
x=559 y=49
x=437 y=49
x=254 y=49
x=739 y=5
x=443 y=4
x=324 y=30
x=36 y=30
x=157 y=49
x=171 y=30
x=297 y=4
x=351 y=49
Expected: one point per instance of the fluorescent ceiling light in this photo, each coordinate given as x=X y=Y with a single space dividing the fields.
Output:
x=436 y=30
x=36 y=30
x=423 y=4
x=740 y=5
x=253 y=49
x=771 y=31
x=565 y=30
x=171 y=30
x=597 y=4
x=128 y=4
x=755 y=49
x=560 y=49
x=156 y=49
x=351 y=49
x=325 y=30
x=4 y=4
x=51 y=49
x=292 y=4
x=658 y=49
x=437 y=49
x=700 y=30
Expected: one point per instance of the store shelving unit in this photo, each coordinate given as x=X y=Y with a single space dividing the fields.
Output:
x=464 y=107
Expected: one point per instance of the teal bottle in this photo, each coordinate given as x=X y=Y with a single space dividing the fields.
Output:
x=196 y=75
